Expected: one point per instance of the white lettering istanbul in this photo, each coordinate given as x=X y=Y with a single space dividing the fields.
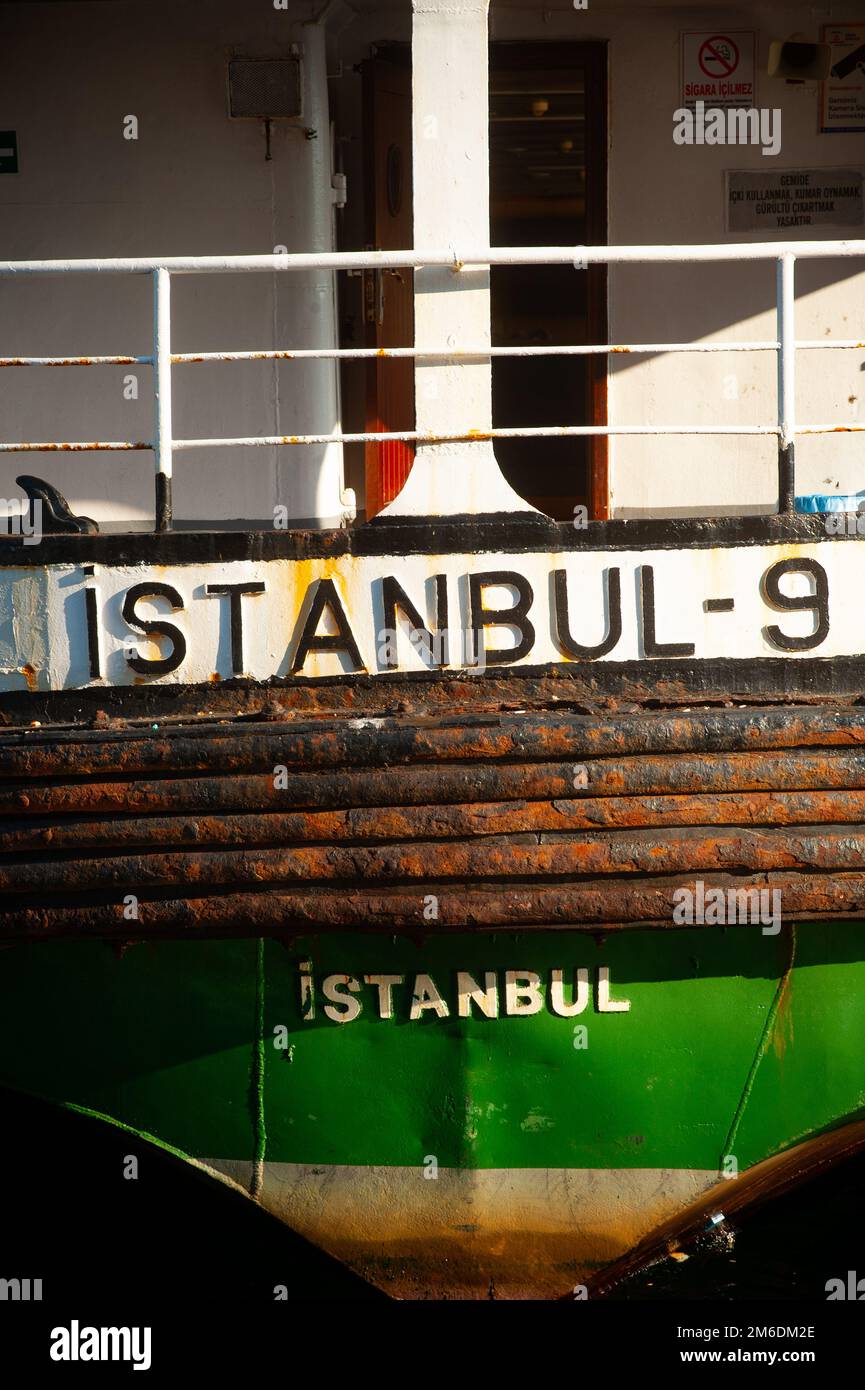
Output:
x=472 y=994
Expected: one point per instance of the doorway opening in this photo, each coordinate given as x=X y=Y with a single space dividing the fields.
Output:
x=548 y=186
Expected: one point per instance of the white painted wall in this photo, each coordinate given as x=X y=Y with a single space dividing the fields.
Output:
x=660 y=192
x=197 y=182
x=194 y=182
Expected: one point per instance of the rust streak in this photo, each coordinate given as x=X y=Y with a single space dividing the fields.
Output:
x=529 y=737
x=448 y=784
x=394 y=823
x=70 y=362
x=585 y=907
x=496 y=859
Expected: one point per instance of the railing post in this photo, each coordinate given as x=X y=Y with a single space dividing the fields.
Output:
x=162 y=444
x=786 y=306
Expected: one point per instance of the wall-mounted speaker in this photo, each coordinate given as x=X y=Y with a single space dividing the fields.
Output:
x=798 y=60
x=265 y=88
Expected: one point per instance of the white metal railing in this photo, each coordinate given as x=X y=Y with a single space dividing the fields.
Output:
x=164 y=445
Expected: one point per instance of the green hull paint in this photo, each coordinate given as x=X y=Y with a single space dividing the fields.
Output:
x=720 y=1053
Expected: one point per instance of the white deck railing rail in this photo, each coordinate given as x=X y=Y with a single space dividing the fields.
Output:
x=164 y=445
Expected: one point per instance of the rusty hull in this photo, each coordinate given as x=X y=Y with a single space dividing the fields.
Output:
x=523 y=818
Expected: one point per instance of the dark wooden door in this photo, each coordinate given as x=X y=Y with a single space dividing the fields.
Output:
x=388 y=295
x=548 y=182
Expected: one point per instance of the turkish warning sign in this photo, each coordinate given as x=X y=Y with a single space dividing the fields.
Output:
x=717 y=68
x=842 y=105
x=788 y=198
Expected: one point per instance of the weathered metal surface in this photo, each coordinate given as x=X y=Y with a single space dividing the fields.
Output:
x=54 y=513
x=760 y=1184
x=616 y=689
x=445 y=784
x=515 y=818
x=384 y=741
x=462 y=535
x=74 y=361
x=552 y=1162
x=588 y=906
x=667 y=607
x=70 y=446
x=596 y=611
x=383 y=823
x=496 y=858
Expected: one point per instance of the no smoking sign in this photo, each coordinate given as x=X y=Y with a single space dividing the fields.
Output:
x=718 y=56
x=717 y=69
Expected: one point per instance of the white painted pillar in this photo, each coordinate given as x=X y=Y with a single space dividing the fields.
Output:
x=309 y=477
x=450 y=145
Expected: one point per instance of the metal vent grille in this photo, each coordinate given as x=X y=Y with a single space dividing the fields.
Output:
x=264 y=87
